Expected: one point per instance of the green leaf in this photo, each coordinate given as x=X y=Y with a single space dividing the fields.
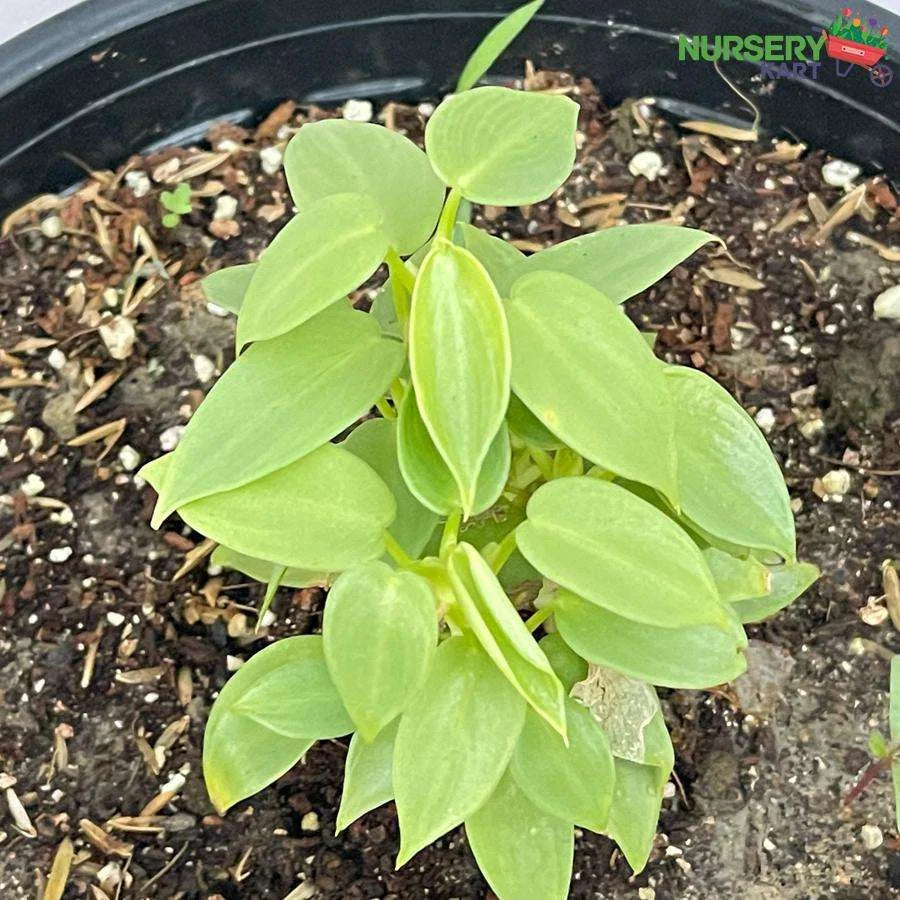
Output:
x=171 y=220
x=635 y=811
x=587 y=374
x=380 y=632
x=325 y=512
x=375 y=442
x=694 y=657
x=453 y=745
x=267 y=716
x=334 y=156
x=788 y=583
x=658 y=750
x=499 y=258
x=574 y=782
x=279 y=401
x=427 y=475
x=367 y=775
x=737 y=579
x=261 y=569
x=228 y=287
x=894 y=719
x=521 y=851
x=619 y=262
x=878 y=746
x=327 y=250
x=526 y=426
x=459 y=358
x=494 y=43
x=496 y=624
x=518 y=147
x=568 y=665
x=604 y=543
x=728 y=481
x=385 y=313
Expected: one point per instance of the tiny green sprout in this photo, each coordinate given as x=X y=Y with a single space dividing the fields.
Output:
x=178 y=204
x=544 y=523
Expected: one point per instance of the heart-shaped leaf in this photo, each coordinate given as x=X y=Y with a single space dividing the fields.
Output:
x=227 y=287
x=519 y=147
x=453 y=744
x=788 y=582
x=587 y=374
x=737 y=579
x=499 y=258
x=459 y=359
x=261 y=570
x=635 y=811
x=367 y=775
x=334 y=156
x=610 y=547
x=380 y=632
x=570 y=668
x=327 y=250
x=278 y=401
x=267 y=716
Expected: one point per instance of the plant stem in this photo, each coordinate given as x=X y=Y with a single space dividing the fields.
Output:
x=385 y=408
x=451 y=532
x=402 y=283
x=543 y=461
x=502 y=552
x=398 y=392
x=448 y=215
x=539 y=617
x=397 y=553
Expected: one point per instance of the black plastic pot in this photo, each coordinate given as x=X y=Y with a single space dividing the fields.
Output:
x=112 y=77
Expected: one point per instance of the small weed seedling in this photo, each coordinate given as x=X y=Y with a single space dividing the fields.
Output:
x=527 y=436
x=177 y=203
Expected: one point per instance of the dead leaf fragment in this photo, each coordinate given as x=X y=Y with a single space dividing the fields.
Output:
x=103 y=841
x=59 y=871
x=99 y=388
x=717 y=129
x=734 y=277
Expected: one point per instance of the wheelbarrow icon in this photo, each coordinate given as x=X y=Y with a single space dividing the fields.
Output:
x=857 y=54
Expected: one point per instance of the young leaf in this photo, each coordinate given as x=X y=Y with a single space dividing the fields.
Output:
x=698 y=657
x=894 y=719
x=327 y=250
x=384 y=312
x=261 y=569
x=459 y=358
x=267 y=716
x=619 y=262
x=788 y=583
x=570 y=668
x=518 y=147
x=737 y=579
x=599 y=540
x=587 y=374
x=325 y=512
x=228 y=287
x=277 y=402
x=635 y=811
x=454 y=743
x=334 y=156
x=526 y=425
x=574 y=782
x=380 y=633
x=427 y=475
x=494 y=43
x=375 y=442
x=522 y=851
x=728 y=481
x=499 y=258
x=503 y=635
x=367 y=775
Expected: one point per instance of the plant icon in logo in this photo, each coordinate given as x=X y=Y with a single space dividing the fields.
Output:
x=860 y=42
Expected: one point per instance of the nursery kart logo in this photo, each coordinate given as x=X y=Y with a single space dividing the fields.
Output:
x=851 y=40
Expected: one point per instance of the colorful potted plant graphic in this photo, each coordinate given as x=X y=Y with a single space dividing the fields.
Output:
x=861 y=42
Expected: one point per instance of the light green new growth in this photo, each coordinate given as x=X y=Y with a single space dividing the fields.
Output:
x=527 y=435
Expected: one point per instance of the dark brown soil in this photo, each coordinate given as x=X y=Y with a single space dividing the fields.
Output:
x=101 y=651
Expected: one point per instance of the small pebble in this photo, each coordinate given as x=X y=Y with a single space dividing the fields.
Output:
x=647 y=163
x=226 y=207
x=205 y=368
x=837 y=481
x=839 y=173
x=118 y=335
x=310 y=822
x=887 y=303
x=217 y=310
x=60 y=554
x=63 y=516
x=271 y=158
x=115 y=619
x=151 y=697
x=358 y=111
x=813 y=430
x=872 y=837
x=129 y=457
x=139 y=182
x=32 y=485
x=765 y=418
x=51 y=227
x=35 y=437
x=646 y=893
x=56 y=358
x=4 y=448
x=169 y=439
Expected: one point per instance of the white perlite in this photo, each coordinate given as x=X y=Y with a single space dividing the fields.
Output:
x=647 y=163
x=226 y=207
x=205 y=368
x=270 y=159
x=765 y=418
x=139 y=182
x=887 y=304
x=837 y=481
x=358 y=111
x=872 y=837
x=169 y=439
x=51 y=227
x=60 y=554
x=129 y=457
x=56 y=358
x=839 y=173
x=118 y=335
x=32 y=485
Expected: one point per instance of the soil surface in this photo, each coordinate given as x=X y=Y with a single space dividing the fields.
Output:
x=109 y=663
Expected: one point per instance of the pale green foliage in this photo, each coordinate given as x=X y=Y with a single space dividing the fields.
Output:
x=895 y=731
x=544 y=523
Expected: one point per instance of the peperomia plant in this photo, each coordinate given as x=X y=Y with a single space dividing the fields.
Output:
x=543 y=523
